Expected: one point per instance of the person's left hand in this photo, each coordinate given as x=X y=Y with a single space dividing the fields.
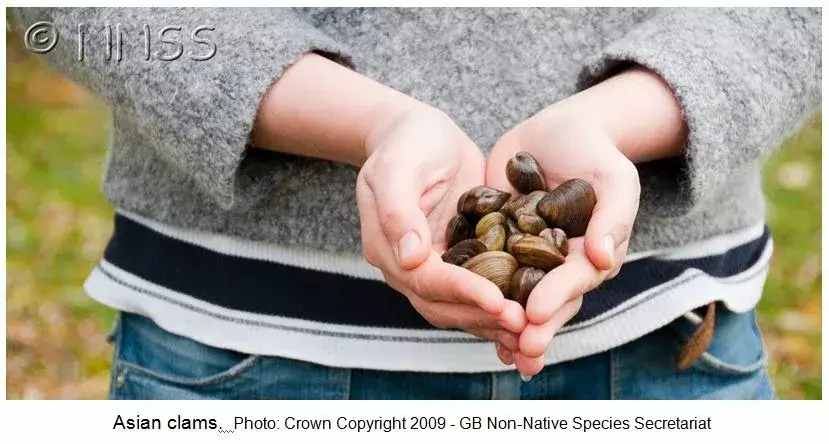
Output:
x=568 y=147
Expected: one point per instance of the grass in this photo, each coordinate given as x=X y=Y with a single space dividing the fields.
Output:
x=58 y=223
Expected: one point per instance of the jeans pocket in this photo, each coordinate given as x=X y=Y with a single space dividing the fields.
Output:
x=152 y=363
x=737 y=348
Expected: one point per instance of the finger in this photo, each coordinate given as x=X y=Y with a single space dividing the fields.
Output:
x=535 y=339
x=403 y=223
x=372 y=246
x=617 y=202
x=438 y=281
x=445 y=315
x=513 y=318
x=575 y=277
x=504 y=354
x=528 y=366
x=621 y=254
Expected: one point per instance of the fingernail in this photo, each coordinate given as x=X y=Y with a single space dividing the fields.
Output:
x=408 y=245
x=526 y=378
x=609 y=246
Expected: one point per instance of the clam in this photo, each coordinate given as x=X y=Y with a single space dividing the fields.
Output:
x=480 y=201
x=495 y=238
x=547 y=235
x=512 y=204
x=523 y=282
x=524 y=173
x=463 y=251
x=512 y=239
x=569 y=206
x=557 y=237
x=494 y=266
x=531 y=223
x=457 y=230
x=523 y=203
x=494 y=219
x=534 y=251
x=515 y=240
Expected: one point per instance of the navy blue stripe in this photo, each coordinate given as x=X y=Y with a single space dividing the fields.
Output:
x=264 y=287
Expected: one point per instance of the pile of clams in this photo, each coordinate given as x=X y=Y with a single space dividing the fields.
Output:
x=514 y=241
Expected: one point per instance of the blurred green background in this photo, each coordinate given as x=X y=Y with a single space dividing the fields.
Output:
x=58 y=223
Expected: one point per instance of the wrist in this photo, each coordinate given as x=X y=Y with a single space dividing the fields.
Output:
x=389 y=115
x=318 y=108
x=636 y=109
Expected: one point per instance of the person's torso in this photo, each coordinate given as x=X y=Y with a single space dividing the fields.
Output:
x=284 y=275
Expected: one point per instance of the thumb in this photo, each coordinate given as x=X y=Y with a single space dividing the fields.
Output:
x=611 y=223
x=401 y=219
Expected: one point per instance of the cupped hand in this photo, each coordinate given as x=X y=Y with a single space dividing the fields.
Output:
x=419 y=164
x=568 y=147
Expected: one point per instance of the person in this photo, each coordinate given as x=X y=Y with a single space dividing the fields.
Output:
x=282 y=180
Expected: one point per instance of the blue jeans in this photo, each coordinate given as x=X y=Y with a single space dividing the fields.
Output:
x=150 y=363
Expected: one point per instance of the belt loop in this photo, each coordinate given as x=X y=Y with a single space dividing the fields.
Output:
x=700 y=340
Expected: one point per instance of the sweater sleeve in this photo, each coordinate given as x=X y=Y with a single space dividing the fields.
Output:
x=195 y=93
x=744 y=78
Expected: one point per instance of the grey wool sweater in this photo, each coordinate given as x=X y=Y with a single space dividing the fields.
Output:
x=180 y=152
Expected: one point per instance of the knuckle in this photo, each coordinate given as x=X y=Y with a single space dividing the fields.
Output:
x=388 y=217
x=419 y=285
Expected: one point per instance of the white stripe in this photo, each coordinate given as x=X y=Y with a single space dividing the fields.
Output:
x=357 y=266
x=250 y=333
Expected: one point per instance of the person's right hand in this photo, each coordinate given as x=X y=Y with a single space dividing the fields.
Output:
x=418 y=166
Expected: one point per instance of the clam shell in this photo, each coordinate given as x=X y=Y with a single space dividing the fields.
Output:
x=560 y=240
x=569 y=206
x=463 y=251
x=523 y=282
x=524 y=173
x=533 y=251
x=494 y=266
x=522 y=203
x=458 y=229
x=490 y=220
x=495 y=238
x=512 y=239
x=480 y=201
x=531 y=223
